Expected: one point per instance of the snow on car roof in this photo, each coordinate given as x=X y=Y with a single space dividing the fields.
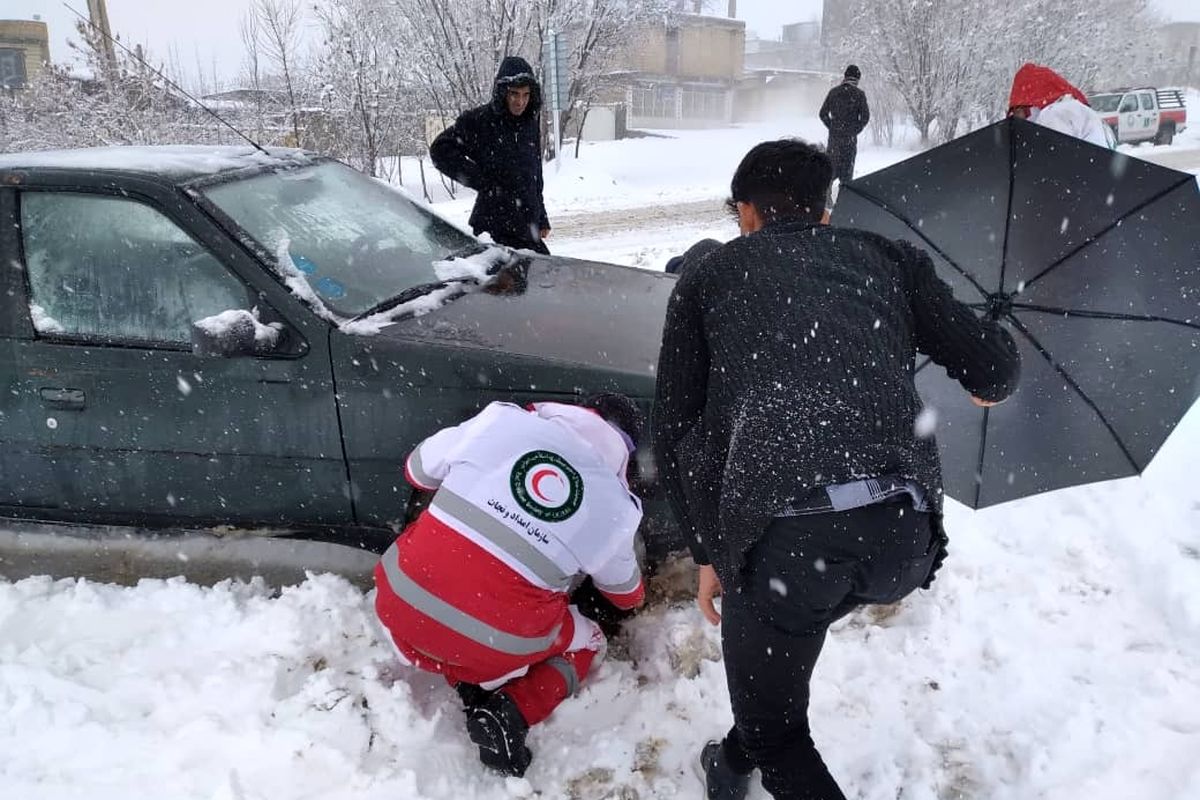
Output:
x=179 y=162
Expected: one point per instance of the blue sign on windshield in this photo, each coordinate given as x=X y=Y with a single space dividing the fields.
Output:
x=304 y=265
x=328 y=287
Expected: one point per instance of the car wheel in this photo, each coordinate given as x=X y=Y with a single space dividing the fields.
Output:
x=1166 y=135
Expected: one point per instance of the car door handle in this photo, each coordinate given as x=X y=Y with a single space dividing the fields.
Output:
x=62 y=398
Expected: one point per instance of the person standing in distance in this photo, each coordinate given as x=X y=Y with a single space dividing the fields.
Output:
x=846 y=114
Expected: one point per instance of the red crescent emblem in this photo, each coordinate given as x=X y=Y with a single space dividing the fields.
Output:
x=537 y=479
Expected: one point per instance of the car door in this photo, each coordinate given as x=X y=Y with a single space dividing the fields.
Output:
x=1149 y=114
x=119 y=420
x=1129 y=119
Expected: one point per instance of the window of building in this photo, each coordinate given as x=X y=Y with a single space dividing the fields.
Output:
x=701 y=104
x=653 y=101
x=12 y=68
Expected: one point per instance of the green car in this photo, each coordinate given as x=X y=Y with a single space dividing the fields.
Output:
x=214 y=361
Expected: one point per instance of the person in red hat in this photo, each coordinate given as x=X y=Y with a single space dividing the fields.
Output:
x=1041 y=95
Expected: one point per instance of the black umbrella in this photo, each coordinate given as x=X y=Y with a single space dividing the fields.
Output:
x=1092 y=258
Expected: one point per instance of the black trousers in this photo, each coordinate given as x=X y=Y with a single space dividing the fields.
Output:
x=842 y=151
x=805 y=573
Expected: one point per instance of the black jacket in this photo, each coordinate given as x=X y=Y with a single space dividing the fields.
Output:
x=500 y=157
x=845 y=112
x=787 y=364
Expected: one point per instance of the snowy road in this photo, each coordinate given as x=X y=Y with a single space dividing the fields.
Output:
x=1056 y=657
x=1185 y=160
x=647 y=236
x=622 y=220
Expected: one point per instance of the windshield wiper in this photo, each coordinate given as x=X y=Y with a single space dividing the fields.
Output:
x=518 y=267
x=411 y=293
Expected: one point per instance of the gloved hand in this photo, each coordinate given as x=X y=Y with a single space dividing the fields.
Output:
x=596 y=607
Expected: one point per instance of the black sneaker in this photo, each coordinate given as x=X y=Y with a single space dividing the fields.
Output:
x=496 y=725
x=720 y=781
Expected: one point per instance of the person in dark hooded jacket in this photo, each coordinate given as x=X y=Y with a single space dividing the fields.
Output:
x=846 y=114
x=496 y=149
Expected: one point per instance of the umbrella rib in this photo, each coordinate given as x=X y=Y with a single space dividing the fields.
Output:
x=1097 y=236
x=883 y=205
x=1084 y=314
x=1078 y=390
x=1012 y=180
x=923 y=365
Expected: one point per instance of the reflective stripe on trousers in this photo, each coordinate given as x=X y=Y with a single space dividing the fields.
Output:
x=456 y=620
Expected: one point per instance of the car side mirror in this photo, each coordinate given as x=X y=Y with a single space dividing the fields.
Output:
x=234 y=333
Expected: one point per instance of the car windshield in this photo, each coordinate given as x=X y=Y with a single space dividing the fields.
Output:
x=1105 y=102
x=357 y=241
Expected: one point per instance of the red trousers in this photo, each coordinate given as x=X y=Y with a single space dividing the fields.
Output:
x=454 y=609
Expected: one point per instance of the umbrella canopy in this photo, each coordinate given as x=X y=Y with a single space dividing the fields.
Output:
x=1092 y=259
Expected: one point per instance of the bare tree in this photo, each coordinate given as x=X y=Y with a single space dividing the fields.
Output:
x=252 y=77
x=124 y=101
x=369 y=108
x=596 y=33
x=277 y=34
x=952 y=61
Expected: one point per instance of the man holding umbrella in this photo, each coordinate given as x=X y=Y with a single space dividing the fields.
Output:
x=787 y=441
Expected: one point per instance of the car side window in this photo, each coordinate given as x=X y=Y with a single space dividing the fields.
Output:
x=1147 y=101
x=109 y=268
x=1129 y=103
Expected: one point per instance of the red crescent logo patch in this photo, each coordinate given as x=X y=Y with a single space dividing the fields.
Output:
x=535 y=481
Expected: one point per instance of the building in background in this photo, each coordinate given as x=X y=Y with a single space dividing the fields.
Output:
x=799 y=47
x=764 y=93
x=24 y=52
x=681 y=72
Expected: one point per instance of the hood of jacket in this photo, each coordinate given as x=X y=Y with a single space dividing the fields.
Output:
x=591 y=428
x=1037 y=86
x=515 y=71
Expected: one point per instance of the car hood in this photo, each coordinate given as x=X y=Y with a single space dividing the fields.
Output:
x=579 y=312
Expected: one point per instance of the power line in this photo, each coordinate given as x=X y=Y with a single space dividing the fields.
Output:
x=169 y=82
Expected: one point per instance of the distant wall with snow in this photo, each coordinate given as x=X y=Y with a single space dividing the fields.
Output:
x=767 y=94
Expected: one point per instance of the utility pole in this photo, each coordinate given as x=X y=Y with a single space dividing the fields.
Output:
x=98 y=14
x=558 y=82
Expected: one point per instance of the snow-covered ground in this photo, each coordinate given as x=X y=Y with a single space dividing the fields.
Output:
x=1057 y=656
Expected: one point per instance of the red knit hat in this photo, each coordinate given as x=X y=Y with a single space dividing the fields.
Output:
x=1038 y=86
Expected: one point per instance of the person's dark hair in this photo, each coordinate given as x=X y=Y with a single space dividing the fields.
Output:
x=852 y=71
x=619 y=410
x=785 y=178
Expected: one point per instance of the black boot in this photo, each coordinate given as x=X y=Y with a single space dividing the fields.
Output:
x=496 y=725
x=471 y=694
x=720 y=781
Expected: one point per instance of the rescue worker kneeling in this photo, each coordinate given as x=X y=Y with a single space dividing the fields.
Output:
x=527 y=500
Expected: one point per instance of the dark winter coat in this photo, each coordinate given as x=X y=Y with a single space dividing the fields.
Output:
x=500 y=157
x=845 y=112
x=787 y=364
x=693 y=255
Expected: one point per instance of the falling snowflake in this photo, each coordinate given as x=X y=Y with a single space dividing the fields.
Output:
x=926 y=423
